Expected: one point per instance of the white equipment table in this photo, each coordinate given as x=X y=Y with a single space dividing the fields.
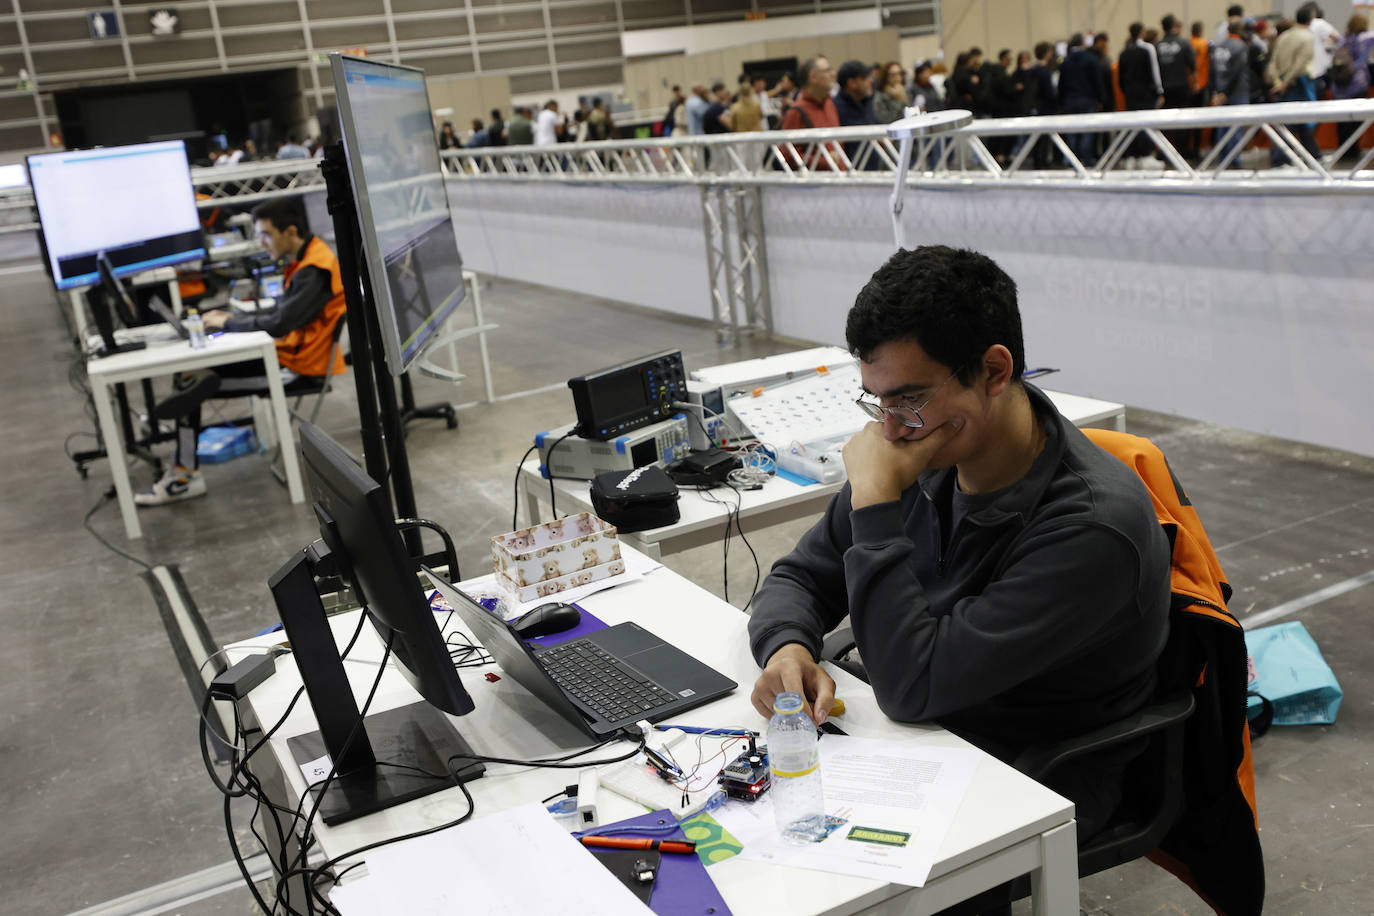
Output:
x=167 y=358
x=1008 y=825
x=778 y=502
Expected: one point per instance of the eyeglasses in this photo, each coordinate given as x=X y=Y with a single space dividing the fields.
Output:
x=907 y=414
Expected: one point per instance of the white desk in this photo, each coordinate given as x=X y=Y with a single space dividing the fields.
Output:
x=1008 y=824
x=703 y=521
x=167 y=358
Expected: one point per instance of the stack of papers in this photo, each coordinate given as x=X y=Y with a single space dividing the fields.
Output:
x=513 y=863
x=895 y=803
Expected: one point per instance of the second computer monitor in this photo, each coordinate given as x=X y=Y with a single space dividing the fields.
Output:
x=134 y=204
x=403 y=212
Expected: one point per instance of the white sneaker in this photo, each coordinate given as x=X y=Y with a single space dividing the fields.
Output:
x=176 y=484
x=1151 y=164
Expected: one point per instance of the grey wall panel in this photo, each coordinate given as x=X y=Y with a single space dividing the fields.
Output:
x=642 y=246
x=1243 y=311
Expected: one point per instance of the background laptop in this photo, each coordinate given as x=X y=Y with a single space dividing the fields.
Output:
x=592 y=681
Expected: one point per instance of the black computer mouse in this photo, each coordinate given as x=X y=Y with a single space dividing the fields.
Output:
x=547 y=619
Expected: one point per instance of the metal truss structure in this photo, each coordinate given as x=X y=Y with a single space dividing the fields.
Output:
x=867 y=155
x=1136 y=151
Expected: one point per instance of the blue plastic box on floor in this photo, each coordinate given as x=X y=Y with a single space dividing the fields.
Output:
x=221 y=443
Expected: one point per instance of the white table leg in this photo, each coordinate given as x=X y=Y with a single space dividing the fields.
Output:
x=119 y=463
x=283 y=421
x=1121 y=421
x=531 y=491
x=1054 y=885
x=476 y=287
x=78 y=304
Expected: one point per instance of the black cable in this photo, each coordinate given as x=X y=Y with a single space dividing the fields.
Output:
x=725 y=557
x=758 y=570
x=548 y=465
x=551 y=763
x=105 y=497
x=515 y=508
x=334 y=767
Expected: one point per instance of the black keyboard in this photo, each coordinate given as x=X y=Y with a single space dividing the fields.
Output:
x=608 y=687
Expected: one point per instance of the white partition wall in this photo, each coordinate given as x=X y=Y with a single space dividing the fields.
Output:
x=638 y=244
x=1245 y=310
x=1253 y=311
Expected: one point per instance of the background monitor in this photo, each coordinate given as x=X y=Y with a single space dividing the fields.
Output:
x=409 y=244
x=380 y=764
x=134 y=204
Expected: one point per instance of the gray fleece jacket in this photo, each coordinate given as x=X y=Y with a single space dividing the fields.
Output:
x=1038 y=616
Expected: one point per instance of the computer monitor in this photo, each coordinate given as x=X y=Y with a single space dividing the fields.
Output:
x=409 y=244
x=135 y=204
x=106 y=298
x=377 y=763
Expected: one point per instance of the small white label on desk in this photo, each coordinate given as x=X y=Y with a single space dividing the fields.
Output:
x=316 y=770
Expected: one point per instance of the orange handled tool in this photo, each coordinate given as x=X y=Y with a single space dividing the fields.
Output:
x=629 y=842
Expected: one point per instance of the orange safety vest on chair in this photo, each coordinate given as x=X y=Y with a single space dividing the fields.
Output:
x=306 y=349
x=1214 y=846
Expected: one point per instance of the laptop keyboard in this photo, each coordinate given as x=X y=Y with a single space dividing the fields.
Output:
x=610 y=688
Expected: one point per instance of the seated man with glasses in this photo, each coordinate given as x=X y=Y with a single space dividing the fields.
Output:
x=1001 y=573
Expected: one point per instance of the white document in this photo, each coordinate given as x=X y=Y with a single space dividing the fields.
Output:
x=897 y=801
x=513 y=863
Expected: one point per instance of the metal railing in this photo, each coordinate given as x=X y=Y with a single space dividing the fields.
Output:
x=866 y=155
x=996 y=151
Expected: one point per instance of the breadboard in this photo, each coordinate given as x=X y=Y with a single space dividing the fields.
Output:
x=818 y=407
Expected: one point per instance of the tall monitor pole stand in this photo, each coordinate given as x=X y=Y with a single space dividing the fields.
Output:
x=441 y=411
x=384 y=445
x=916 y=124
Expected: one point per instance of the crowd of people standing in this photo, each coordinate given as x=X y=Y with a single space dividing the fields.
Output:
x=1241 y=60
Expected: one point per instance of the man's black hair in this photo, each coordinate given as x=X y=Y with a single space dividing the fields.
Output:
x=1305 y=13
x=851 y=69
x=1168 y=22
x=954 y=302
x=1042 y=48
x=282 y=212
x=1076 y=40
x=1135 y=29
x=1235 y=9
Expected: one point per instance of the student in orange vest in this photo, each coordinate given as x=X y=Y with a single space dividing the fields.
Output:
x=302 y=321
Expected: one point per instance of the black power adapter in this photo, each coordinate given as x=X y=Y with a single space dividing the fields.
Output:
x=235 y=682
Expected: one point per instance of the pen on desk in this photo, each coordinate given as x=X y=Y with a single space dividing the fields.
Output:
x=698 y=730
x=629 y=842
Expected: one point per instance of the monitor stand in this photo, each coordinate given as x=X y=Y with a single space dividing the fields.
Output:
x=416 y=736
x=376 y=757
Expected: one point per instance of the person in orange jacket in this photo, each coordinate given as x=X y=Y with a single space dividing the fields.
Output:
x=302 y=321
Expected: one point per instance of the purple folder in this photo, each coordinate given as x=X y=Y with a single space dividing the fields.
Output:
x=683 y=887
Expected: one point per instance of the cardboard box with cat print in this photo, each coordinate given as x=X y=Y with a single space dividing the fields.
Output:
x=542 y=561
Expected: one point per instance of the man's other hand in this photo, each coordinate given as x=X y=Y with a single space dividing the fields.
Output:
x=792 y=668
x=215 y=320
x=880 y=470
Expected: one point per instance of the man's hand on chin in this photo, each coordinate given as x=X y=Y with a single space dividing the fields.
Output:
x=880 y=470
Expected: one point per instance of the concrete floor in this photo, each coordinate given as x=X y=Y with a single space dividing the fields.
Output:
x=103 y=787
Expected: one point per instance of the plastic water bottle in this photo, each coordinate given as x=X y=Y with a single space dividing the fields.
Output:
x=795 y=762
x=195 y=326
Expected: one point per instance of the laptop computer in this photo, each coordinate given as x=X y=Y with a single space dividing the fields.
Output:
x=601 y=682
x=166 y=314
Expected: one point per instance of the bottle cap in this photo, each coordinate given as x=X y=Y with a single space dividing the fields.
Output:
x=787 y=702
